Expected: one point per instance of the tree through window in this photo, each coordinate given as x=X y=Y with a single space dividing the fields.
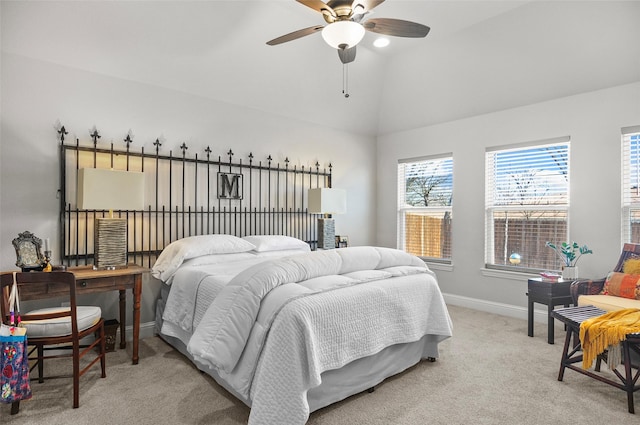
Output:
x=527 y=202
x=425 y=189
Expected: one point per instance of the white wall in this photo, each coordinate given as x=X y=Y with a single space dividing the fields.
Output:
x=36 y=94
x=592 y=120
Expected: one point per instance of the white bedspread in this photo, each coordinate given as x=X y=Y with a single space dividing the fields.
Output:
x=345 y=320
x=190 y=285
x=195 y=286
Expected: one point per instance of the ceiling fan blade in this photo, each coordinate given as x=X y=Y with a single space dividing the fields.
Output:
x=396 y=27
x=358 y=18
x=319 y=6
x=360 y=7
x=347 y=55
x=295 y=35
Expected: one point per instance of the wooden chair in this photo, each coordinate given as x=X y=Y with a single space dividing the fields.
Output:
x=59 y=325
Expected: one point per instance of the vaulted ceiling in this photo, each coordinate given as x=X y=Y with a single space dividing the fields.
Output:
x=480 y=56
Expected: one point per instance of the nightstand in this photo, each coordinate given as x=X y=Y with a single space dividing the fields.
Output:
x=550 y=294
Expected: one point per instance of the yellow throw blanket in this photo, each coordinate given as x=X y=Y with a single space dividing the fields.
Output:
x=603 y=332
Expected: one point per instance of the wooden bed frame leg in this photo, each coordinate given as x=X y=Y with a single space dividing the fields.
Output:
x=15 y=407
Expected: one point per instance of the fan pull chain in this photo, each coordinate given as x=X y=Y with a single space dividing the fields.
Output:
x=345 y=80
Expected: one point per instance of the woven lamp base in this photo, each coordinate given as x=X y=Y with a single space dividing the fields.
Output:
x=326 y=233
x=110 y=243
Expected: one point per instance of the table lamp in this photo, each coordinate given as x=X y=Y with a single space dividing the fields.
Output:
x=327 y=201
x=104 y=189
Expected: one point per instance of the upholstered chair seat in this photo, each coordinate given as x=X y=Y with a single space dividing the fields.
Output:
x=88 y=316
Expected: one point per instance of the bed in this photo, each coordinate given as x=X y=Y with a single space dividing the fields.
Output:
x=288 y=331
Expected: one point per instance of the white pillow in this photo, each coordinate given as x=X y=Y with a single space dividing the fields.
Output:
x=281 y=253
x=212 y=259
x=195 y=246
x=276 y=243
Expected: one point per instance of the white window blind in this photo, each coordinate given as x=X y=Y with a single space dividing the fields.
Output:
x=425 y=192
x=631 y=184
x=527 y=202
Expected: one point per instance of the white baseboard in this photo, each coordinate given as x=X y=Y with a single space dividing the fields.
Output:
x=496 y=308
x=147 y=330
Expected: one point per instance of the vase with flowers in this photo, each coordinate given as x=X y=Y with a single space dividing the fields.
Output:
x=569 y=254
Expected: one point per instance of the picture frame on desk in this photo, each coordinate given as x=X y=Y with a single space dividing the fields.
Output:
x=343 y=242
x=29 y=255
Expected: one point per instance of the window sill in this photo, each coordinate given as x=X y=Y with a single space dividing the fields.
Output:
x=507 y=274
x=447 y=267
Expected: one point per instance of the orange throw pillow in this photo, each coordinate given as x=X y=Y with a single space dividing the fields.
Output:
x=622 y=285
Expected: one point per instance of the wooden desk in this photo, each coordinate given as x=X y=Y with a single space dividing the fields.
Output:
x=89 y=281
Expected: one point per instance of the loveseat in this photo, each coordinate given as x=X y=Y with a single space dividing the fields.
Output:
x=619 y=290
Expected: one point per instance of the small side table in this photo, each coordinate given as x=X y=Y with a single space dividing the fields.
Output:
x=551 y=294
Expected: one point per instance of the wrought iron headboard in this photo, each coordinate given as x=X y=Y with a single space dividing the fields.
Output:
x=182 y=194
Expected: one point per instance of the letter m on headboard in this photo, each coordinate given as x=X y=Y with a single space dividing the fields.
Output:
x=229 y=186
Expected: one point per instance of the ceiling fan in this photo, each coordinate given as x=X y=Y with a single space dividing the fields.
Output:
x=346 y=25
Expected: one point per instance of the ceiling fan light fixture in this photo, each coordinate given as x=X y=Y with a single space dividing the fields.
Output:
x=381 y=42
x=343 y=33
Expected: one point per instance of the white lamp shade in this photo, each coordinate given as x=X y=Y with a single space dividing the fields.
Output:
x=103 y=189
x=327 y=201
x=347 y=33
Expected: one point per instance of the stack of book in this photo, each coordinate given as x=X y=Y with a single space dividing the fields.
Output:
x=550 y=276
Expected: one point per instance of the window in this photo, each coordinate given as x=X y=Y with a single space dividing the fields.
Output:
x=631 y=184
x=425 y=190
x=527 y=203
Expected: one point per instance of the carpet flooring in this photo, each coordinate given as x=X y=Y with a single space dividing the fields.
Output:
x=489 y=372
